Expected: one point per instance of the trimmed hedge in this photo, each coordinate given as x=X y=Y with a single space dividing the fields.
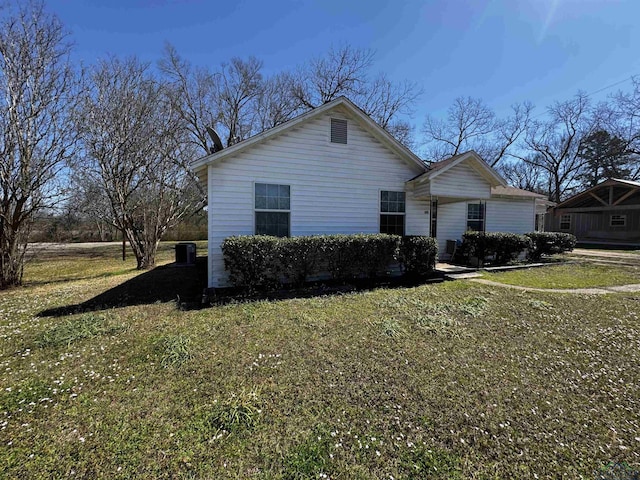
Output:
x=549 y=243
x=418 y=255
x=263 y=262
x=502 y=247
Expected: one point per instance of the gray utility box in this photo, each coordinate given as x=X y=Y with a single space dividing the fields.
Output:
x=185 y=253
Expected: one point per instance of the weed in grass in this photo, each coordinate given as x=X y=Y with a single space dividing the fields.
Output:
x=174 y=350
x=474 y=306
x=423 y=462
x=239 y=412
x=391 y=327
x=69 y=331
x=311 y=459
x=540 y=304
x=436 y=323
x=617 y=471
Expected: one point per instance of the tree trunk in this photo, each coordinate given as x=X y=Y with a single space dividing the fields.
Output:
x=11 y=258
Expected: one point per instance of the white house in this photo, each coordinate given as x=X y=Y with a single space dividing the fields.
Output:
x=334 y=170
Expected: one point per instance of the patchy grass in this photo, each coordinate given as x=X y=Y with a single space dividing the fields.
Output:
x=68 y=331
x=578 y=275
x=454 y=380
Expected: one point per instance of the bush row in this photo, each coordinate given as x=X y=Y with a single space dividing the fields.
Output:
x=549 y=243
x=263 y=261
x=503 y=248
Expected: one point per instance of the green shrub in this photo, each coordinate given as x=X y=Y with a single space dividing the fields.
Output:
x=502 y=247
x=418 y=254
x=251 y=260
x=263 y=262
x=298 y=257
x=549 y=243
x=372 y=254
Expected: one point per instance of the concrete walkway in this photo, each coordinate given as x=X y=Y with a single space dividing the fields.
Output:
x=587 y=291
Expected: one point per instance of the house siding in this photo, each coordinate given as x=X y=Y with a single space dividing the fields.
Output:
x=502 y=215
x=335 y=188
x=461 y=181
x=514 y=216
x=595 y=226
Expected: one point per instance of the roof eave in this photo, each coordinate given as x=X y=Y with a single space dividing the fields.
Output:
x=373 y=128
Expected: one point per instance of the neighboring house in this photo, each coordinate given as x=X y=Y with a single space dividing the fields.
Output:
x=607 y=213
x=334 y=170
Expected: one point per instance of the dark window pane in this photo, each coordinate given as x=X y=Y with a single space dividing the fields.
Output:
x=384 y=196
x=476 y=225
x=261 y=189
x=272 y=190
x=272 y=203
x=392 y=224
x=261 y=202
x=284 y=191
x=272 y=223
x=283 y=203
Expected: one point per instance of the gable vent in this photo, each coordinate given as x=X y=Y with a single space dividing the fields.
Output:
x=338 y=131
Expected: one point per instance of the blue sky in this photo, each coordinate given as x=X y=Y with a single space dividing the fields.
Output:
x=502 y=51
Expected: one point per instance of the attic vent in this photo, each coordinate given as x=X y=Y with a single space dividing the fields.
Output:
x=338 y=131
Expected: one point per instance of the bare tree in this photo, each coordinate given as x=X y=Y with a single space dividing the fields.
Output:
x=194 y=95
x=38 y=87
x=239 y=85
x=135 y=144
x=345 y=71
x=554 y=144
x=472 y=125
x=342 y=71
x=525 y=175
x=621 y=117
x=275 y=103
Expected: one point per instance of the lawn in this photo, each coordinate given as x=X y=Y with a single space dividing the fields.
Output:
x=450 y=380
x=577 y=275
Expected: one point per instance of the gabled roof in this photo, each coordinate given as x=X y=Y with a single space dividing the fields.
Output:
x=438 y=168
x=364 y=120
x=626 y=189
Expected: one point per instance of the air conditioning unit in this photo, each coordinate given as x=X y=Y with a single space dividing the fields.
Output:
x=185 y=253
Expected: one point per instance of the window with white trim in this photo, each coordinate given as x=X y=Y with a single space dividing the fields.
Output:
x=565 y=221
x=272 y=209
x=475 y=216
x=338 y=130
x=618 y=221
x=392 y=212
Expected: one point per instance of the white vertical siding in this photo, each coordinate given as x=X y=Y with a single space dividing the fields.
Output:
x=507 y=215
x=335 y=188
x=461 y=181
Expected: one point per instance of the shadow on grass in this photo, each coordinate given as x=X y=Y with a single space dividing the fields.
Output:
x=185 y=285
x=225 y=296
x=166 y=283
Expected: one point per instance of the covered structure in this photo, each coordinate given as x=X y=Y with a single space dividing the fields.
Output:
x=608 y=213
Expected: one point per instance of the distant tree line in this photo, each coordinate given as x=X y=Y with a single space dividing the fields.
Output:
x=108 y=145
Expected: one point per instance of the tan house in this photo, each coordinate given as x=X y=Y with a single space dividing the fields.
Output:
x=608 y=213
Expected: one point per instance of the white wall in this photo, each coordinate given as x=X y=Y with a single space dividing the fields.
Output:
x=502 y=215
x=334 y=188
x=514 y=216
x=461 y=181
x=452 y=223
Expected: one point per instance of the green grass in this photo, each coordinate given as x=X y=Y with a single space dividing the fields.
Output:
x=453 y=380
x=580 y=275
